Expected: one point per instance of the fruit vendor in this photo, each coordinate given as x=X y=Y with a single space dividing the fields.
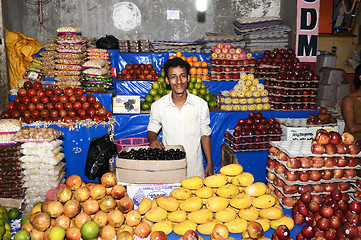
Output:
x=351 y=107
x=183 y=118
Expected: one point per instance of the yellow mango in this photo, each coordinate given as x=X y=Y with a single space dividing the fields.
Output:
x=181 y=193
x=244 y=179
x=284 y=220
x=145 y=205
x=226 y=215
x=228 y=191
x=232 y=169
x=264 y=238
x=237 y=225
x=165 y=226
x=256 y=189
x=241 y=201
x=156 y=214
x=216 y=180
x=191 y=204
x=177 y=216
x=204 y=192
x=183 y=227
x=249 y=214
x=201 y=216
x=216 y=204
x=265 y=223
x=241 y=189
x=264 y=201
x=206 y=228
x=168 y=203
x=192 y=182
x=271 y=213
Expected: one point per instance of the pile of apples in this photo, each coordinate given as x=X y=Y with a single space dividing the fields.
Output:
x=33 y=103
x=226 y=51
x=357 y=188
x=282 y=233
x=253 y=133
x=322 y=117
x=333 y=143
x=331 y=216
x=138 y=71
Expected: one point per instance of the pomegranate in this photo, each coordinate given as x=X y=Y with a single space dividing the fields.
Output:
x=41 y=221
x=115 y=218
x=71 y=208
x=125 y=204
x=91 y=206
x=82 y=194
x=73 y=182
x=118 y=192
x=64 y=194
x=133 y=218
x=107 y=204
x=97 y=191
x=101 y=218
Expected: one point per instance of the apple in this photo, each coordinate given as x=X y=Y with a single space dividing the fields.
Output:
x=313 y=206
x=293 y=163
x=318 y=162
x=341 y=161
x=323 y=223
x=343 y=186
x=307 y=231
x=330 y=149
x=323 y=138
x=335 y=137
x=315 y=175
x=304 y=188
x=353 y=149
x=306 y=162
x=291 y=175
x=329 y=187
x=317 y=148
x=289 y=201
x=350 y=231
x=279 y=182
x=350 y=173
x=327 y=174
x=338 y=173
x=304 y=176
x=290 y=189
x=280 y=168
x=50 y=106
x=342 y=148
x=318 y=188
x=352 y=162
x=355 y=207
x=347 y=138
x=330 y=162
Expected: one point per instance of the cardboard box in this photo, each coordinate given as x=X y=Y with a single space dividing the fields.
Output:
x=334 y=76
x=325 y=60
x=227 y=156
x=9 y=203
x=126 y=104
x=343 y=90
x=151 y=171
x=329 y=103
x=327 y=91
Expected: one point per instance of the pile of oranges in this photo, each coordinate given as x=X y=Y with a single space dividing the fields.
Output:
x=198 y=68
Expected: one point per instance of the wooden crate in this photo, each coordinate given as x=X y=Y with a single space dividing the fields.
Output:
x=227 y=156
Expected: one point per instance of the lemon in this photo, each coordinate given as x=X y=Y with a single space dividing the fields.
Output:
x=57 y=233
x=89 y=230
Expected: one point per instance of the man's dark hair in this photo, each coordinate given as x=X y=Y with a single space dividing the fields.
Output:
x=356 y=80
x=176 y=62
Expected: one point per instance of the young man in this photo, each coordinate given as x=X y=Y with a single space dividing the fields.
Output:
x=183 y=118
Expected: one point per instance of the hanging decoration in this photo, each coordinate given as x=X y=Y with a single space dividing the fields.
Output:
x=39 y=4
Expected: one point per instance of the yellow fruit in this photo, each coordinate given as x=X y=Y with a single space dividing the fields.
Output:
x=252 y=107
x=265 y=223
x=266 y=106
x=249 y=214
x=259 y=107
x=243 y=101
x=36 y=208
x=244 y=179
x=204 y=192
x=216 y=180
x=250 y=77
x=156 y=214
x=264 y=201
x=165 y=226
x=232 y=169
x=145 y=205
x=177 y=216
x=241 y=94
x=256 y=189
x=183 y=227
x=228 y=100
x=248 y=83
x=235 y=101
x=191 y=204
x=181 y=193
x=255 y=82
x=244 y=107
x=206 y=228
x=201 y=216
x=192 y=182
x=229 y=107
x=241 y=201
x=265 y=99
x=245 y=88
x=228 y=191
x=260 y=87
x=237 y=225
x=271 y=213
x=241 y=82
x=264 y=93
x=248 y=95
x=216 y=204
x=243 y=76
x=226 y=215
x=237 y=88
x=258 y=100
x=284 y=220
x=169 y=204
x=234 y=93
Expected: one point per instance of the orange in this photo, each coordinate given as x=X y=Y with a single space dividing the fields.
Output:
x=178 y=54
x=89 y=230
x=205 y=77
x=189 y=59
x=191 y=63
x=205 y=70
x=184 y=58
x=199 y=70
x=204 y=64
x=197 y=64
x=193 y=70
x=171 y=57
x=195 y=59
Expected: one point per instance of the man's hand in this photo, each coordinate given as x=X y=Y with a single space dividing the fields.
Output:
x=156 y=144
x=208 y=171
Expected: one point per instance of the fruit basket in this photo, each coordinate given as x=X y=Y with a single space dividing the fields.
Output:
x=130 y=142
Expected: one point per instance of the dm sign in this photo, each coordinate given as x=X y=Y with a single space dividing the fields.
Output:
x=307 y=30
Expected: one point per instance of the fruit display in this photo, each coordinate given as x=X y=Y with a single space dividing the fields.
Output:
x=292 y=170
x=198 y=68
x=153 y=154
x=291 y=86
x=320 y=118
x=332 y=216
x=357 y=188
x=253 y=133
x=282 y=232
x=247 y=95
x=34 y=103
x=138 y=71
x=5 y=228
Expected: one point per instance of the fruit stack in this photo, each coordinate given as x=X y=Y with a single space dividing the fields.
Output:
x=97 y=75
x=137 y=71
x=293 y=168
x=292 y=86
x=357 y=188
x=48 y=59
x=247 y=95
x=320 y=118
x=253 y=133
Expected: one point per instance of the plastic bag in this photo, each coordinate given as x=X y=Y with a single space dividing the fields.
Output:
x=101 y=149
x=108 y=42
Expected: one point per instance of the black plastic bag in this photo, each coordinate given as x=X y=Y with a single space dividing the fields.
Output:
x=101 y=149
x=107 y=42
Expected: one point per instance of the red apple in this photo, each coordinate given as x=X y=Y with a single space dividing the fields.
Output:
x=342 y=148
x=338 y=173
x=347 y=138
x=304 y=176
x=291 y=176
x=280 y=168
x=318 y=188
x=327 y=174
x=350 y=173
x=323 y=138
x=335 y=137
x=318 y=148
x=329 y=187
x=330 y=162
x=293 y=163
x=318 y=162
x=330 y=149
x=290 y=189
x=353 y=149
x=315 y=175
x=306 y=162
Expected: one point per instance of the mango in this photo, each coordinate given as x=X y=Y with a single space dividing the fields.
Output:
x=237 y=225
x=165 y=226
x=271 y=213
x=183 y=227
x=226 y=215
x=168 y=203
x=216 y=204
x=256 y=189
x=177 y=216
x=145 y=205
x=284 y=220
x=265 y=223
x=201 y=216
x=264 y=238
x=156 y=214
x=191 y=204
x=232 y=169
x=192 y=182
x=249 y=214
x=216 y=180
x=228 y=191
x=241 y=201
x=241 y=189
x=244 y=179
x=264 y=201
x=204 y=192
x=181 y=193
x=206 y=228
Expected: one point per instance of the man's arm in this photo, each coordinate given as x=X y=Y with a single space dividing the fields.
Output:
x=206 y=146
x=153 y=141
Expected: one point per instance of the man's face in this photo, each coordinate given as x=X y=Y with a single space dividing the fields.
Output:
x=177 y=79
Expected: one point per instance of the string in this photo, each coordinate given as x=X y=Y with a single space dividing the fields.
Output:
x=344 y=6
